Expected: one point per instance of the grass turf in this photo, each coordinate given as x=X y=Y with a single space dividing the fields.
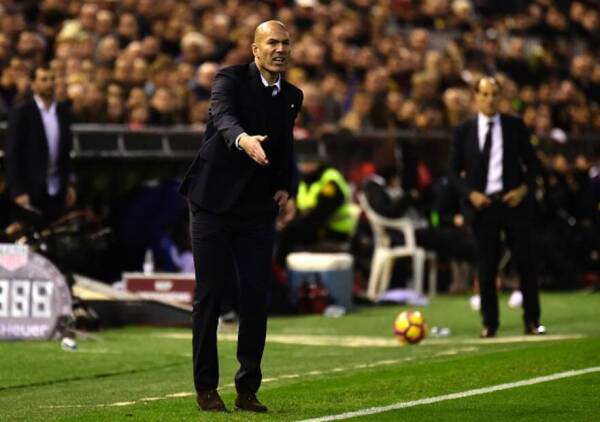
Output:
x=39 y=381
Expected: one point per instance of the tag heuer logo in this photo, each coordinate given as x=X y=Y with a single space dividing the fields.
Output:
x=13 y=257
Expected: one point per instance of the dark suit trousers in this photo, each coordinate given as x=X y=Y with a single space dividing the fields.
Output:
x=516 y=223
x=218 y=241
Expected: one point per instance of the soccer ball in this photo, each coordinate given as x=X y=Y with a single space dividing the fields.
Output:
x=410 y=327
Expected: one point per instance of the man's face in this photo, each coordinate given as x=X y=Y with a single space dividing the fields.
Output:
x=271 y=48
x=487 y=97
x=308 y=167
x=43 y=84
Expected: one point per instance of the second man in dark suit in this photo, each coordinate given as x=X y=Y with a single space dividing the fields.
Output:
x=494 y=167
x=241 y=177
x=38 y=144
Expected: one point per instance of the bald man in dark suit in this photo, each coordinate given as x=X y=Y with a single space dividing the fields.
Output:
x=240 y=179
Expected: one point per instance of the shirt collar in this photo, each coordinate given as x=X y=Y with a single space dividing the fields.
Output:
x=482 y=119
x=277 y=83
x=42 y=106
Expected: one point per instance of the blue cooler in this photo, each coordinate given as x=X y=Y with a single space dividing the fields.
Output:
x=335 y=271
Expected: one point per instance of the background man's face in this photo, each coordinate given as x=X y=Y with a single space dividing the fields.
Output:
x=487 y=97
x=43 y=84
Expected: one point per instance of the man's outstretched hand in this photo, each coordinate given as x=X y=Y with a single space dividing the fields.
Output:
x=252 y=146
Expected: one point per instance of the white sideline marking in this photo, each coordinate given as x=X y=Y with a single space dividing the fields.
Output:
x=453 y=396
x=365 y=341
x=281 y=377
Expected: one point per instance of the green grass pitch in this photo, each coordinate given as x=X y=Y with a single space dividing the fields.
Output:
x=316 y=366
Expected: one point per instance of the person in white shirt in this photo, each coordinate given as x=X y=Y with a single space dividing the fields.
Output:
x=494 y=166
x=37 y=153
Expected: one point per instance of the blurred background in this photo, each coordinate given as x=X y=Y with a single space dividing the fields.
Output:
x=384 y=82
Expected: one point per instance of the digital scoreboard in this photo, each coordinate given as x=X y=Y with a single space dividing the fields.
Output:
x=33 y=294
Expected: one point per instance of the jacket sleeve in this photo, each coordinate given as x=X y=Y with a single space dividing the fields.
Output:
x=290 y=177
x=223 y=109
x=383 y=204
x=528 y=156
x=17 y=128
x=457 y=163
x=71 y=177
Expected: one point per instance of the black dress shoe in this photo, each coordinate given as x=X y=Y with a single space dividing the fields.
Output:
x=487 y=332
x=248 y=401
x=209 y=400
x=535 y=329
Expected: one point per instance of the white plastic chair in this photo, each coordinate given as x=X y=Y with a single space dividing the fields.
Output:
x=384 y=253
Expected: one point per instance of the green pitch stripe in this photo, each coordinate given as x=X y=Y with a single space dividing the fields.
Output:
x=453 y=396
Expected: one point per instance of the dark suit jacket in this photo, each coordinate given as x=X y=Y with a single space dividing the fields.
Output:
x=220 y=171
x=26 y=150
x=519 y=162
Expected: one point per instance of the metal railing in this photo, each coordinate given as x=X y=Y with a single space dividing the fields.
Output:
x=104 y=141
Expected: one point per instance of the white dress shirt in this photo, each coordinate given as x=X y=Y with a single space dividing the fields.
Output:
x=494 y=176
x=51 y=127
x=276 y=90
x=277 y=84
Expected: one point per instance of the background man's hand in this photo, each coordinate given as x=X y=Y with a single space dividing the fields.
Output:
x=479 y=200
x=286 y=214
x=514 y=197
x=252 y=146
x=458 y=220
x=71 y=197
x=23 y=200
x=281 y=197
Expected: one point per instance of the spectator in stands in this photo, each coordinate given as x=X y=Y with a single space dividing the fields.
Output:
x=138 y=117
x=115 y=109
x=352 y=42
x=198 y=115
x=205 y=75
x=162 y=108
x=196 y=48
x=37 y=153
x=358 y=118
x=457 y=102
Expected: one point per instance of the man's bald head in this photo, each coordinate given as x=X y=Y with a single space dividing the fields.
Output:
x=271 y=49
x=265 y=28
x=486 y=81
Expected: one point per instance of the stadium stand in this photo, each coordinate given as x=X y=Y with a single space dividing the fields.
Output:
x=370 y=71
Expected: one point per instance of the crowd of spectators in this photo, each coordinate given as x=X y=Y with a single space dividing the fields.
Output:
x=362 y=64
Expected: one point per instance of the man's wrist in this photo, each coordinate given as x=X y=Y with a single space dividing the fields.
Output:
x=524 y=190
x=237 y=140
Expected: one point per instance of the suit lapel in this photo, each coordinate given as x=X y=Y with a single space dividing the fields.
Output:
x=38 y=126
x=257 y=96
x=288 y=103
x=506 y=136
x=473 y=139
x=62 y=127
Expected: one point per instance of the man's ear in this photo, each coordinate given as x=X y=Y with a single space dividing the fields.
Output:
x=254 y=50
